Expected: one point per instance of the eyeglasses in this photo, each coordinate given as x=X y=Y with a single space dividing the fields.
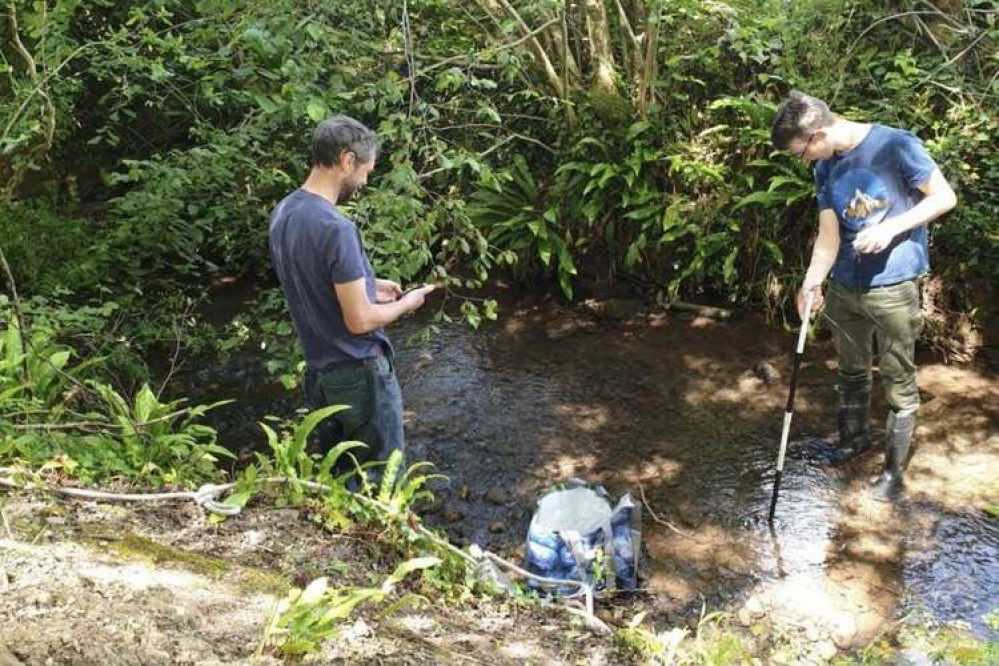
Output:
x=801 y=154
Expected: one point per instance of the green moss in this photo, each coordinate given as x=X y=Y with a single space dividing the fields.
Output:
x=611 y=107
x=257 y=581
x=135 y=546
x=246 y=580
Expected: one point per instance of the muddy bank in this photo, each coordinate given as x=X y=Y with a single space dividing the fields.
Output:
x=102 y=585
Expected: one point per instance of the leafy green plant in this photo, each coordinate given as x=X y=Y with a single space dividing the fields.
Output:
x=32 y=368
x=513 y=210
x=159 y=441
x=711 y=644
x=399 y=488
x=147 y=441
x=70 y=258
x=292 y=461
x=56 y=413
x=305 y=618
x=944 y=643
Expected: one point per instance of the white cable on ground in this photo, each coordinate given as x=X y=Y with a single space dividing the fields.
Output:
x=206 y=496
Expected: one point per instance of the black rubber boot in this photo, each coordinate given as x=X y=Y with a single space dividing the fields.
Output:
x=898 y=439
x=853 y=419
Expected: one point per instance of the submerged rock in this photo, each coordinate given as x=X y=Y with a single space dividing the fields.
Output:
x=616 y=309
x=496 y=496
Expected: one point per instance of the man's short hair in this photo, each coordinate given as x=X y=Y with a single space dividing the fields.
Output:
x=338 y=135
x=798 y=117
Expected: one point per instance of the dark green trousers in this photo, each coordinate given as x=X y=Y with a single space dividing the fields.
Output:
x=891 y=315
x=371 y=391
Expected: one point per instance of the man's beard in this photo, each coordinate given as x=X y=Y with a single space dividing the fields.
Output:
x=348 y=190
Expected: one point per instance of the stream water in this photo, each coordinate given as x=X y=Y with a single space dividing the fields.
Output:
x=679 y=410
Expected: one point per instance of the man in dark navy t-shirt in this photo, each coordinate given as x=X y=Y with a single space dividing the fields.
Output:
x=338 y=306
x=877 y=189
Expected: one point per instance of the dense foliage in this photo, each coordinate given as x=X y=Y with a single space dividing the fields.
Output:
x=569 y=142
x=147 y=141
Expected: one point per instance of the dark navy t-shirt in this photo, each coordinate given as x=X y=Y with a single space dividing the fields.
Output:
x=313 y=248
x=874 y=181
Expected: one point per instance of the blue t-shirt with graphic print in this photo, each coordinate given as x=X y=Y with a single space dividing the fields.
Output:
x=313 y=248
x=874 y=181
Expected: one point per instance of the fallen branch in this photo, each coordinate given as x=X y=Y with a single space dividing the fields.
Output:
x=701 y=310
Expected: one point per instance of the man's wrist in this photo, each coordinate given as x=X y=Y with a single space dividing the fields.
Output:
x=898 y=225
x=811 y=282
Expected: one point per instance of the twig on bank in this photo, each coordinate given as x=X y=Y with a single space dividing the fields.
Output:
x=665 y=523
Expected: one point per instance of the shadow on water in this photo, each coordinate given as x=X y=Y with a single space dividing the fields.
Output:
x=672 y=408
x=957 y=576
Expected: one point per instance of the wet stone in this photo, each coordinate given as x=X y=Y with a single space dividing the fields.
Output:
x=617 y=309
x=910 y=657
x=766 y=372
x=497 y=526
x=845 y=634
x=496 y=496
x=826 y=650
x=559 y=330
x=755 y=606
x=427 y=507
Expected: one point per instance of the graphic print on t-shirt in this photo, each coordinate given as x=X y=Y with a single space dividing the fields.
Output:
x=861 y=198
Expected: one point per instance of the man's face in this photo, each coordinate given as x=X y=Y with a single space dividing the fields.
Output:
x=814 y=146
x=356 y=176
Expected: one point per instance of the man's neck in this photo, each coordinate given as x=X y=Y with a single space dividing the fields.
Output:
x=323 y=183
x=847 y=134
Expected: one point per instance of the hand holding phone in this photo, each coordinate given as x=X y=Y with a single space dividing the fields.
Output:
x=416 y=295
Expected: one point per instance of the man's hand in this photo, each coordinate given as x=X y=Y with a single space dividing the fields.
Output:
x=414 y=298
x=874 y=239
x=387 y=291
x=818 y=300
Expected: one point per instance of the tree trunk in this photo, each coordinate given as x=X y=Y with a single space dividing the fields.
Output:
x=607 y=101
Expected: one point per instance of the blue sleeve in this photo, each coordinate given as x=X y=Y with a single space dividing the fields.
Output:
x=914 y=163
x=342 y=253
x=822 y=194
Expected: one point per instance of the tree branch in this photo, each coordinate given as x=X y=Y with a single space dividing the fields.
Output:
x=632 y=45
x=500 y=47
x=535 y=46
x=49 y=112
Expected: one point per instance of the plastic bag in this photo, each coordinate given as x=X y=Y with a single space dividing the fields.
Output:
x=575 y=534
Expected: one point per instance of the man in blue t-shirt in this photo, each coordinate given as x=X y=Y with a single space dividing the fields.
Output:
x=877 y=188
x=337 y=304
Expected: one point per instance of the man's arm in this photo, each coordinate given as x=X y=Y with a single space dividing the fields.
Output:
x=362 y=316
x=939 y=198
x=823 y=257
